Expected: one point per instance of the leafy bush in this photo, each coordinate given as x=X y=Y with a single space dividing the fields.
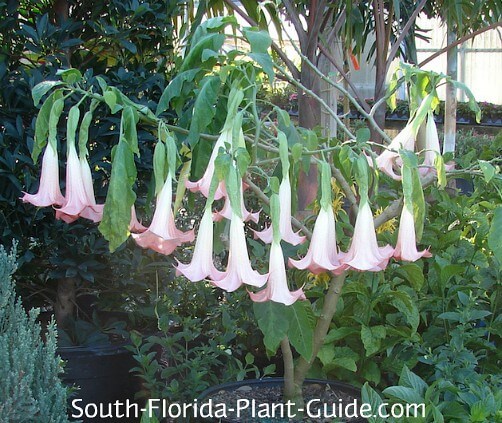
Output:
x=29 y=386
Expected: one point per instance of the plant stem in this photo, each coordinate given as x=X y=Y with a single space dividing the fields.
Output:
x=320 y=332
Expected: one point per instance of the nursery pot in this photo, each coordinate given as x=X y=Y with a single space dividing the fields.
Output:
x=261 y=401
x=102 y=375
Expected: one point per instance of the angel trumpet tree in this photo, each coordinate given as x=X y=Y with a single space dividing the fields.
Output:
x=254 y=147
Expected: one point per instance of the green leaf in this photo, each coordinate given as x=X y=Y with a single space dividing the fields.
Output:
x=70 y=76
x=243 y=160
x=473 y=105
x=488 y=170
x=372 y=337
x=340 y=333
x=42 y=124
x=408 y=395
x=440 y=170
x=260 y=42
x=112 y=99
x=403 y=302
x=159 y=166
x=41 y=89
x=128 y=124
x=495 y=234
x=413 y=274
x=83 y=134
x=363 y=135
x=71 y=125
x=204 y=108
x=273 y=322
x=212 y=42
x=175 y=88
x=412 y=190
x=371 y=397
x=301 y=328
x=411 y=380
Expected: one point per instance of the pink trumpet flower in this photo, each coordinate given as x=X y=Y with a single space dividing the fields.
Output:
x=79 y=197
x=387 y=160
x=277 y=285
x=429 y=141
x=204 y=183
x=406 y=246
x=49 y=192
x=364 y=253
x=226 y=211
x=135 y=225
x=202 y=265
x=162 y=235
x=239 y=269
x=286 y=230
x=323 y=253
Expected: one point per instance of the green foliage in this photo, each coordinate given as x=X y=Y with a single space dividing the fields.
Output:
x=30 y=388
x=200 y=342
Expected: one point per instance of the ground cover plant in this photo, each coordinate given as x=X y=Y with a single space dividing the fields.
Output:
x=209 y=138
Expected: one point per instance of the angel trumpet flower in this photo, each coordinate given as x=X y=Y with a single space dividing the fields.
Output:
x=406 y=246
x=162 y=235
x=388 y=159
x=239 y=269
x=226 y=211
x=286 y=230
x=323 y=253
x=204 y=183
x=202 y=265
x=49 y=192
x=428 y=140
x=135 y=225
x=79 y=197
x=364 y=253
x=277 y=285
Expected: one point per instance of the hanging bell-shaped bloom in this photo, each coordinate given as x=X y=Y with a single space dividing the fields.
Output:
x=79 y=196
x=286 y=230
x=49 y=193
x=135 y=225
x=162 y=235
x=406 y=246
x=277 y=285
x=202 y=266
x=226 y=211
x=239 y=269
x=323 y=254
x=204 y=183
x=389 y=159
x=428 y=140
x=364 y=253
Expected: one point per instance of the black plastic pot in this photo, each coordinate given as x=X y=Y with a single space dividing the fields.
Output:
x=102 y=374
x=349 y=390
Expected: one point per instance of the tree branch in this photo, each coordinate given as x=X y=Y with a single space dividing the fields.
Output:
x=459 y=41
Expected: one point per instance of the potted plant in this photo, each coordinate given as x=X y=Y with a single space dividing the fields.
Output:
x=218 y=147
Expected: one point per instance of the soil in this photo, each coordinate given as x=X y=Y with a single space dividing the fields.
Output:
x=328 y=398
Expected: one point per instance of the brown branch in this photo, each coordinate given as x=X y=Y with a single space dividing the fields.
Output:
x=289 y=369
x=295 y=20
x=459 y=41
x=404 y=32
x=340 y=70
x=349 y=195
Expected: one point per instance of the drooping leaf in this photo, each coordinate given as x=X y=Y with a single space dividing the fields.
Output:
x=41 y=89
x=120 y=197
x=204 y=108
x=212 y=42
x=495 y=234
x=175 y=88
x=488 y=170
x=301 y=328
x=42 y=124
x=272 y=321
x=371 y=397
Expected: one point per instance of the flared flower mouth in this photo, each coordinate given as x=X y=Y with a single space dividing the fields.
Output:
x=202 y=265
x=162 y=235
x=323 y=254
x=239 y=270
x=389 y=160
x=277 y=284
x=406 y=246
x=49 y=192
x=79 y=196
x=364 y=253
x=286 y=230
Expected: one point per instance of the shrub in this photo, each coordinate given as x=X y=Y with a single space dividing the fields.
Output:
x=30 y=388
